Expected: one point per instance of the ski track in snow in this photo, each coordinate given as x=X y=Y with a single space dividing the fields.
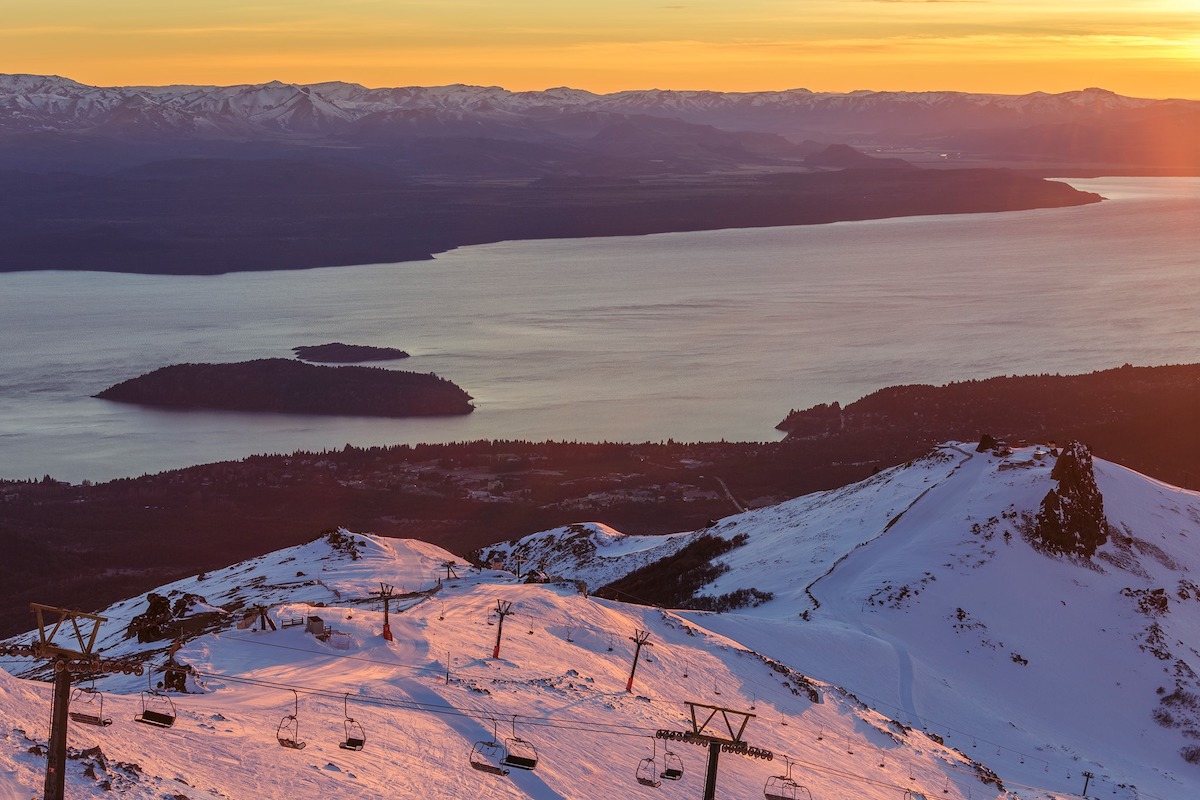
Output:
x=904 y=668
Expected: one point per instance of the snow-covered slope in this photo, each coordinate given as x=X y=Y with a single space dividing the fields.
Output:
x=926 y=590
x=423 y=701
x=922 y=636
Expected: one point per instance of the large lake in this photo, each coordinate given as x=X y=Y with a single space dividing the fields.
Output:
x=692 y=336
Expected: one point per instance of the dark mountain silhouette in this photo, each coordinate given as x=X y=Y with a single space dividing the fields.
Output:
x=204 y=180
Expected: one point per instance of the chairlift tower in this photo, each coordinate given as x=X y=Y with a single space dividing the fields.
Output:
x=503 y=609
x=720 y=730
x=639 y=639
x=67 y=660
x=386 y=592
x=449 y=567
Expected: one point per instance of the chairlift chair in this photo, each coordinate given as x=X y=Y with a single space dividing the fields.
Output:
x=911 y=795
x=785 y=787
x=489 y=755
x=647 y=769
x=646 y=773
x=672 y=767
x=158 y=709
x=781 y=787
x=356 y=737
x=92 y=711
x=521 y=754
x=288 y=730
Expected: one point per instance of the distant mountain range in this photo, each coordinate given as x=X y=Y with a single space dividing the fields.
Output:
x=1092 y=127
x=206 y=179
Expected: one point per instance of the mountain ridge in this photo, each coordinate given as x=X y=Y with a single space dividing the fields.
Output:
x=938 y=561
x=916 y=640
x=1077 y=126
x=359 y=100
x=207 y=180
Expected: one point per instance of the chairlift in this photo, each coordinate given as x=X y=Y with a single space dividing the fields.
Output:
x=647 y=769
x=488 y=756
x=911 y=795
x=356 y=737
x=672 y=767
x=158 y=709
x=780 y=787
x=288 y=731
x=521 y=754
x=784 y=787
x=92 y=710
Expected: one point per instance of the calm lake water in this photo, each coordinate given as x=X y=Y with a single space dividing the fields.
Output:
x=693 y=336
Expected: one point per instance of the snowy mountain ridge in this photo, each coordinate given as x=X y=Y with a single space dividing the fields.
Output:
x=931 y=583
x=33 y=103
x=976 y=662
x=435 y=702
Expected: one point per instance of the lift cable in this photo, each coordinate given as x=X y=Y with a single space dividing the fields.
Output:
x=494 y=679
x=434 y=708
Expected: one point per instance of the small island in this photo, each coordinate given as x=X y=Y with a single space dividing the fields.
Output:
x=338 y=353
x=285 y=386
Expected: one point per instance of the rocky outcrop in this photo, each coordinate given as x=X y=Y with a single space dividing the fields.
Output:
x=1071 y=520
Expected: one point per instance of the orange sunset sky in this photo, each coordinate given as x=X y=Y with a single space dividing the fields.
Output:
x=1145 y=48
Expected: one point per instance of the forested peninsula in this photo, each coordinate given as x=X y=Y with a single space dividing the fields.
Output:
x=203 y=217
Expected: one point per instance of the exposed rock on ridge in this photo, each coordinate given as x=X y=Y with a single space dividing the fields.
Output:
x=1071 y=520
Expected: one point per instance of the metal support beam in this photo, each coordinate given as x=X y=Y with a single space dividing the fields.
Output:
x=503 y=609
x=716 y=740
x=710 y=776
x=385 y=591
x=639 y=638
x=66 y=660
x=56 y=749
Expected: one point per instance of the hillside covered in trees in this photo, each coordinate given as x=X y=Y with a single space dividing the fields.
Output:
x=87 y=545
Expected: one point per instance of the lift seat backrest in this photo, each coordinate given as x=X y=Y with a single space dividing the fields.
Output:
x=353 y=744
x=158 y=718
x=520 y=761
x=671 y=774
